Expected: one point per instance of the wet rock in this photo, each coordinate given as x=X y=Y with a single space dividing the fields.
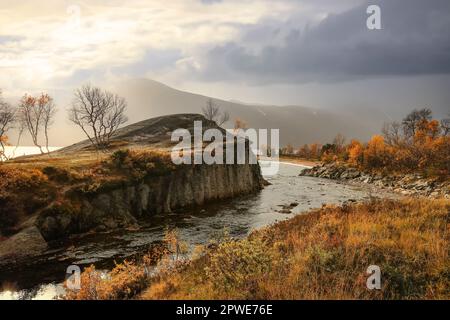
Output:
x=56 y=221
x=407 y=184
x=28 y=242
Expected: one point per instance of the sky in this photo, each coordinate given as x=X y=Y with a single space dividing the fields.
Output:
x=315 y=53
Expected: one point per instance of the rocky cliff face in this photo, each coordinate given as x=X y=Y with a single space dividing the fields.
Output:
x=189 y=185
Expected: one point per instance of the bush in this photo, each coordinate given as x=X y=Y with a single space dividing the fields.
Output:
x=120 y=158
x=124 y=281
x=57 y=174
x=237 y=265
x=22 y=192
x=142 y=164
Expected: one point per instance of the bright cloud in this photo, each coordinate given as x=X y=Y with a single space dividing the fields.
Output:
x=42 y=44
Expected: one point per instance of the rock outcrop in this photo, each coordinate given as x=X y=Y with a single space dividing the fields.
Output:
x=129 y=201
x=189 y=185
x=408 y=184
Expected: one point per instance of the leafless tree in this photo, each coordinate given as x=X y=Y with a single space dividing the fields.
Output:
x=49 y=111
x=445 y=126
x=21 y=129
x=7 y=119
x=339 y=142
x=98 y=113
x=412 y=121
x=36 y=115
x=239 y=124
x=212 y=112
x=392 y=133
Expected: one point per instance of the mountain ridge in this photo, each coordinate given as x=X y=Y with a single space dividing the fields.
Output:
x=298 y=125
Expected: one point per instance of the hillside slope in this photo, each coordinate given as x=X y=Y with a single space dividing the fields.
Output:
x=298 y=125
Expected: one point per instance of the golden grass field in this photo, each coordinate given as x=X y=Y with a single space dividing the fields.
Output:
x=323 y=254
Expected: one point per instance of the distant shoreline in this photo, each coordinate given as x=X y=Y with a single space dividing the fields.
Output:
x=299 y=161
x=14 y=152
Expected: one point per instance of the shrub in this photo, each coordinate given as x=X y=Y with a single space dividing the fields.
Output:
x=22 y=192
x=57 y=174
x=356 y=152
x=237 y=266
x=142 y=164
x=124 y=281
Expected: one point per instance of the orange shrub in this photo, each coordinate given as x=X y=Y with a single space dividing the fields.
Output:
x=355 y=152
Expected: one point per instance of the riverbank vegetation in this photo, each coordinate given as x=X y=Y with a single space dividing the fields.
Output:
x=323 y=254
x=419 y=144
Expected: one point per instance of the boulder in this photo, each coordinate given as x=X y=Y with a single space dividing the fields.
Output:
x=28 y=242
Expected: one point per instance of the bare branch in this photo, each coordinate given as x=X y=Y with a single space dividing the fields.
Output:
x=7 y=120
x=392 y=133
x=36 y=114
x=98 y=113
x=212 y=112
x=445 y=126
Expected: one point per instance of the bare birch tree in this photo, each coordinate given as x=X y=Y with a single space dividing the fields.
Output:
x=392 y=133
x=445 y=125
x=212 y=112
x=36 y=115
x=98 y=113
x=48 y=114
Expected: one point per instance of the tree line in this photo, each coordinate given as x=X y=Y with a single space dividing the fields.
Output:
x=417 y=143
x=98 y=113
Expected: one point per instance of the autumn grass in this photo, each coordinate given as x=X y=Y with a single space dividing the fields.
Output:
x=30 y=184
x=325 y=255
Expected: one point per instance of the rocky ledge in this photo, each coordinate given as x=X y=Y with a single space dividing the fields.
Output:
x=407 y=184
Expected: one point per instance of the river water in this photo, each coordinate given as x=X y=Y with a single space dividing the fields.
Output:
x=239 y=217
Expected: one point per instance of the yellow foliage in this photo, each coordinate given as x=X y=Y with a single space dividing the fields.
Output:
x=123 y=282
x=355 y=151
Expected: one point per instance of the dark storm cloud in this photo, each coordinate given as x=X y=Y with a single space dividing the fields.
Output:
x=415 y=40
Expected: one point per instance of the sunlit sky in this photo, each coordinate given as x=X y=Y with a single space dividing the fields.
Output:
x=55 y=43
x=317 y=53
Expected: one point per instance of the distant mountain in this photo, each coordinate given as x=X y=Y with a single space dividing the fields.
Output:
x=298 y=125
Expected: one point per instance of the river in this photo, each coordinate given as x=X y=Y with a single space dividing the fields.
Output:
x=239 y=216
